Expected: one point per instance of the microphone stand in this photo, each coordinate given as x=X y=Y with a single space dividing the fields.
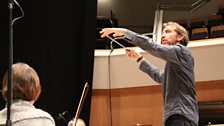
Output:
x=9 y=96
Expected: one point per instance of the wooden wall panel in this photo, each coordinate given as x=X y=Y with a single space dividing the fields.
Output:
x=100 y=108
x=143 y=105
x=210 y=91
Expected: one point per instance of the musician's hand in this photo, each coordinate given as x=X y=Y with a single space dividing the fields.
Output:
x=115 y=31
x=79 y=122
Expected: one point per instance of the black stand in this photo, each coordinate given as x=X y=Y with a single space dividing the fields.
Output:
x=9 y=97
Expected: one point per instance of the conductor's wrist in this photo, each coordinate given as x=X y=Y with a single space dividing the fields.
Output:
x=140 y=59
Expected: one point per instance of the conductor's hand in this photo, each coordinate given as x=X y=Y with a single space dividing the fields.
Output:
x=132 y=54
x=116 y=32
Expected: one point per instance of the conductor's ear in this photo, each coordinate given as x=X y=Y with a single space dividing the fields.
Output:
x=180 y=38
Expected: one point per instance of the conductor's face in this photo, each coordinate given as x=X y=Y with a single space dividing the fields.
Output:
x=170 y=36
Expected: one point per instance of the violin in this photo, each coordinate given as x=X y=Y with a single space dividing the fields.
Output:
x=82 y=99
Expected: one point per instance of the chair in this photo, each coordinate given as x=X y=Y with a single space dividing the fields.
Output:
x=217 y=31
x=189 y=33
x=103 y=22
x=102 y=44
x=215 y=20
x=221 y=10
x=182 y=22
x=199 y=33
x=197 y=23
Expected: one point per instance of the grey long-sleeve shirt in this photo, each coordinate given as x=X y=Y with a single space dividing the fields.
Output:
x=177 y=78
x=25 y=114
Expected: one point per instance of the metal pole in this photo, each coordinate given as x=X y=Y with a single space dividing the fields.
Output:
x=9 y=96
